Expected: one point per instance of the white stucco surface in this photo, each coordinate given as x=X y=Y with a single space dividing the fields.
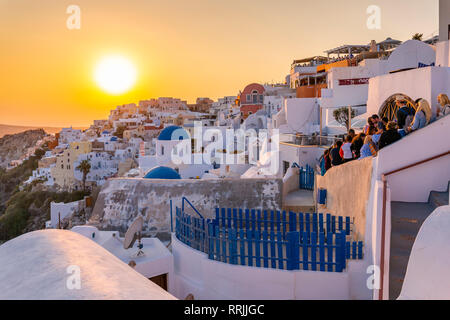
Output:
x=415 y=184
x=427 y=277
x=155 y=259
x=35 y=266
x=410 y=54
x=211 y=280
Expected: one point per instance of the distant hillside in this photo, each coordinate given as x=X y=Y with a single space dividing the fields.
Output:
x=8 y=129
x=13 y=147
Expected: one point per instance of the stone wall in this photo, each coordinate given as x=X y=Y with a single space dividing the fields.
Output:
x=348 y=190
x=121 y=200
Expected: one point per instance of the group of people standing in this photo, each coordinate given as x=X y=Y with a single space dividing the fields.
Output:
x=380 y=133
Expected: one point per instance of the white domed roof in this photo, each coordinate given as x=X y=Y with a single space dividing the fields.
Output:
x=34 y=267
x=410 y=54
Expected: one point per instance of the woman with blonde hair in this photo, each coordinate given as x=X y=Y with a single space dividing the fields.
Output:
x=368 y=149
x=444 y=107
x=422 y=117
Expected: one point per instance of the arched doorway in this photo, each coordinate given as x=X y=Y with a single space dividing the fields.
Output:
x=389 y=107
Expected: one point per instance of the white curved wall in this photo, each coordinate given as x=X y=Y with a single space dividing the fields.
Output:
x=410 y=54
x=427 y=276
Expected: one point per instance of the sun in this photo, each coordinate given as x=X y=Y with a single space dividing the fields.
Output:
x=115 y=74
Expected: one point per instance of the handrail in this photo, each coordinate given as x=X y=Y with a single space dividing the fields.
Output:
x=383 y=221
x=191 y=205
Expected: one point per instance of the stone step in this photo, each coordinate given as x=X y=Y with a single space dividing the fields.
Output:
x=402 y=241
x=438 y=199
x=395 y=285
x=406 y=226
x=399 y=263
x=407 y=219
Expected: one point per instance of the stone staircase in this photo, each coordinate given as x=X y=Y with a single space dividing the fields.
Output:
x=407 y=219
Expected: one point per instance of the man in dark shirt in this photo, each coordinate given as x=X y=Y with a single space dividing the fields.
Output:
x=336 y=159
x=390 y=136
x=403 y=112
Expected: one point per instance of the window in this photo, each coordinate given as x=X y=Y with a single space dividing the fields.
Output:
x=249 y=98
x=162 y=150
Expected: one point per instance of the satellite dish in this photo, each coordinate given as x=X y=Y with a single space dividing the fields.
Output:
x=133 y=233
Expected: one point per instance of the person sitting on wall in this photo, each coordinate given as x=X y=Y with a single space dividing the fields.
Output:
x=336 y=159
x=422 y=117
x=368 y=149
x=444 y=106
x=357 y=144
x=405 y=114
x=390 y=136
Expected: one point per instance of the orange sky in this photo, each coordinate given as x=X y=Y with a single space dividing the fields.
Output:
x=181 y=48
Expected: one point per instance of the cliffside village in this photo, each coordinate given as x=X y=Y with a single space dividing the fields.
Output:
x=304 y=214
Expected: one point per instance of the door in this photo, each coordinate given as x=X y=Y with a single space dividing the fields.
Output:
x=160 y=280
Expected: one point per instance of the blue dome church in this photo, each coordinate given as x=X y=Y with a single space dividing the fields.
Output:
x=162 y=173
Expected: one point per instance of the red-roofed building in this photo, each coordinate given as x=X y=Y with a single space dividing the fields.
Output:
x=251 y=99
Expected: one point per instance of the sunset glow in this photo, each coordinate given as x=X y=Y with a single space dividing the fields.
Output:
x=115 y=75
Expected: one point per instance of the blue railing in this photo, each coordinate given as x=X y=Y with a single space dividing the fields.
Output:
x=307 y=176
x=277 y=221
x=184 y=199
x=272 y=240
